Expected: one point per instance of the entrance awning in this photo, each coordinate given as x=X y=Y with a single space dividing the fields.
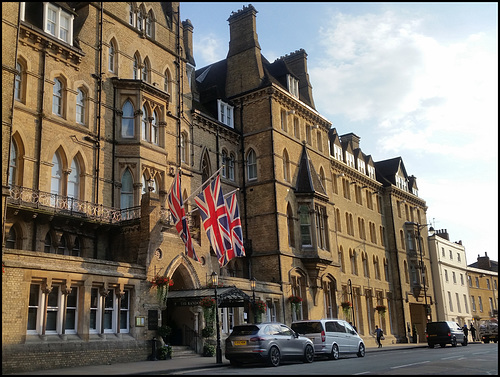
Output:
x=227 y=297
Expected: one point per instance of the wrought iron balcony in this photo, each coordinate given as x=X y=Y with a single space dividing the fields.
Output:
x=58 y=204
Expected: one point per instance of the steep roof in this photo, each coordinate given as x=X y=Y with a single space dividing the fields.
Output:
x=308 y=181
x=386 y=170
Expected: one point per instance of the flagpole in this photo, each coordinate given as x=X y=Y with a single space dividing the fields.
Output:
x=203 y=184
x=230 y=192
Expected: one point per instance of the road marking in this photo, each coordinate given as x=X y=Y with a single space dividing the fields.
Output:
x=450 y=357
x=409 y=365
x=358 y=374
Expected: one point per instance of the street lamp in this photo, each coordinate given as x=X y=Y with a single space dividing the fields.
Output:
x=349 y=284
x=218 y=351
x=252 y=285
x=431 y=229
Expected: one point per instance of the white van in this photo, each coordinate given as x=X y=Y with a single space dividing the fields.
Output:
x=331 y=337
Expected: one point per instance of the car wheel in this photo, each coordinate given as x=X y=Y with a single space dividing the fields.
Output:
x=334 y=355
x=361 y=351
x=431 y=345
x=309 y=354
x=443 y=345
x=454 y=342
x=274 y=356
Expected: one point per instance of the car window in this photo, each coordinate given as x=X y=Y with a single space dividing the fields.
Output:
x=330 y=326
x=285 y=330
x=273 y=330
x=307 y=327
x=349 y=328
x=338 y=327
x=245 y=330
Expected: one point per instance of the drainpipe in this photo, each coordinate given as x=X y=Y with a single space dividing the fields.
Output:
x=276 y=204
x=99 y=103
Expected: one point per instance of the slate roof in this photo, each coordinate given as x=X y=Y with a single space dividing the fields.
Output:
x=308 y=181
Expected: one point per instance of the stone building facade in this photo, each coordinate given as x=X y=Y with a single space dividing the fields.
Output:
x=107 y=108
x=483 y=288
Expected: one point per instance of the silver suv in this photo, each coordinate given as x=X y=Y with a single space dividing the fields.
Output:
x=331 y=337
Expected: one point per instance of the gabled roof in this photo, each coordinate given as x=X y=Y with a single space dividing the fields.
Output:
x=386 y=170
x=308 y=181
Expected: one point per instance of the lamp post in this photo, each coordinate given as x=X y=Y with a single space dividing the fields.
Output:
x=349 y=284
x=218 y=351
x=431 y=229
x=252 y=285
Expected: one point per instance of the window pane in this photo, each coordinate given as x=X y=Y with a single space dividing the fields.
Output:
x=51 y=321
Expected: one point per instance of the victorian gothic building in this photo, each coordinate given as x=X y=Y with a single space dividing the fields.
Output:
x=102 y=106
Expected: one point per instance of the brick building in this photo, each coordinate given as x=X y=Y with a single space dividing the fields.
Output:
x=106 y=108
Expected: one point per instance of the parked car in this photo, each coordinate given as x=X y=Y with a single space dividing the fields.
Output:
x=443 y=333
x=269 y=342
x=331 y=337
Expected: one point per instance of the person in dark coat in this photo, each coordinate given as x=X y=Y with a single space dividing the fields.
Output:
x=473 y=332
x=379 y=333
x=466 y=332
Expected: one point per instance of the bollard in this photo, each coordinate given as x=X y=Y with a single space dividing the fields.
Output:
x=153 y=350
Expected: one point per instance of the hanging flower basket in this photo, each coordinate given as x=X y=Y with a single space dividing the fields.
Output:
x=295 y=301
x=207 y=302
x=161 y=283
x=346 y=308
x=381 y=308
x=260 y=306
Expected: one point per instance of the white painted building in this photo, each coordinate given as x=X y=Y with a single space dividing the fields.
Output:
x=449 y=274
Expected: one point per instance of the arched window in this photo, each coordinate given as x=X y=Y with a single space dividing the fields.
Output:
x=167 y=81
x=154 y=128
x=13 y=163
x=224 y=164
x=128 y=120
x=80 y=106
x=112 y=57
x=291 y=227
x=184 y=158
x=18 y=82
x=75 y=251
x=144 y=124
x=230 y=167
x=48 y=247
x=145 y=71
x=407 y=278
x=341 y=260
x=74 y=180
x=127 y=191
x=149 y=24
x=62 y=248
x=56 y=176
x=286 y=166
x=136 y=68
x=11 y=241
x=205 y=167
x=57 y=98
x=251 y=165
x=140 y=20
x=322 y=177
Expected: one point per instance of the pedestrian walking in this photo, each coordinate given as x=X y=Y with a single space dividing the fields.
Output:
x=466 y=333
x=473 y=332
x=380 y=335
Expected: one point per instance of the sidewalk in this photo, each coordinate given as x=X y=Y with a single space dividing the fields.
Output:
x=172 y=365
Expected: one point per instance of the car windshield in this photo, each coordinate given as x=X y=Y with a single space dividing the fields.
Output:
x=245 y=330
x=307 y=327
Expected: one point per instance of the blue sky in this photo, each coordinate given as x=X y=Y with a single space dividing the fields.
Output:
x=416 y=80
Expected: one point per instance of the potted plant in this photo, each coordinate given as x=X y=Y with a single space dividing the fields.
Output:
x=260 y=308
x=208 y=350
x=165 y=352
x=346 y=308
x=161 y=283
x=295 y=302
x=164 y=332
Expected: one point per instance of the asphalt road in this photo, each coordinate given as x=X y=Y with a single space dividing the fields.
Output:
x=474 y=359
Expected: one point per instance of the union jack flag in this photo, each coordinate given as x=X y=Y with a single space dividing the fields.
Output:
x=176 y=205
x=215 y=220
x=235 y=226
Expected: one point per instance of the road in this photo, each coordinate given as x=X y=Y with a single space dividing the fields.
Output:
x=474 y=359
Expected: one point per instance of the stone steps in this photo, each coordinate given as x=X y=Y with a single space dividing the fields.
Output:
x=183 y=351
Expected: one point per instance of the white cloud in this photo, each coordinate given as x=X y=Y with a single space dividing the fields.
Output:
x=209 y=48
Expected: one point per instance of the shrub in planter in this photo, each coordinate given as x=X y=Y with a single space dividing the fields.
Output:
x=208 y=350
x=207 y=332
x=165 y=352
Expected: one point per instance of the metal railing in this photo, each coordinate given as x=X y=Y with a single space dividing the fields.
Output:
x=67 y=205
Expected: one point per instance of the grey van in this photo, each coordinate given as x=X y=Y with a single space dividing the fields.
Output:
x=331 y=337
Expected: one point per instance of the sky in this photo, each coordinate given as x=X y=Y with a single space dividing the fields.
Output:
x=413 y=80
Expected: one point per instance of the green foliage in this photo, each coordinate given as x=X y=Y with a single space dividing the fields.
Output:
x=165 y=352
x=208 y=350
x=207 y=332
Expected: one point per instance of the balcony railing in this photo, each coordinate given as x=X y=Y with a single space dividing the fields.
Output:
x=66 y=205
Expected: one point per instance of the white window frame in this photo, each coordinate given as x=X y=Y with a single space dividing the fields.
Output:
x=252 y=165
x=225 y=113
x=58 y=29
x=293 y=85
